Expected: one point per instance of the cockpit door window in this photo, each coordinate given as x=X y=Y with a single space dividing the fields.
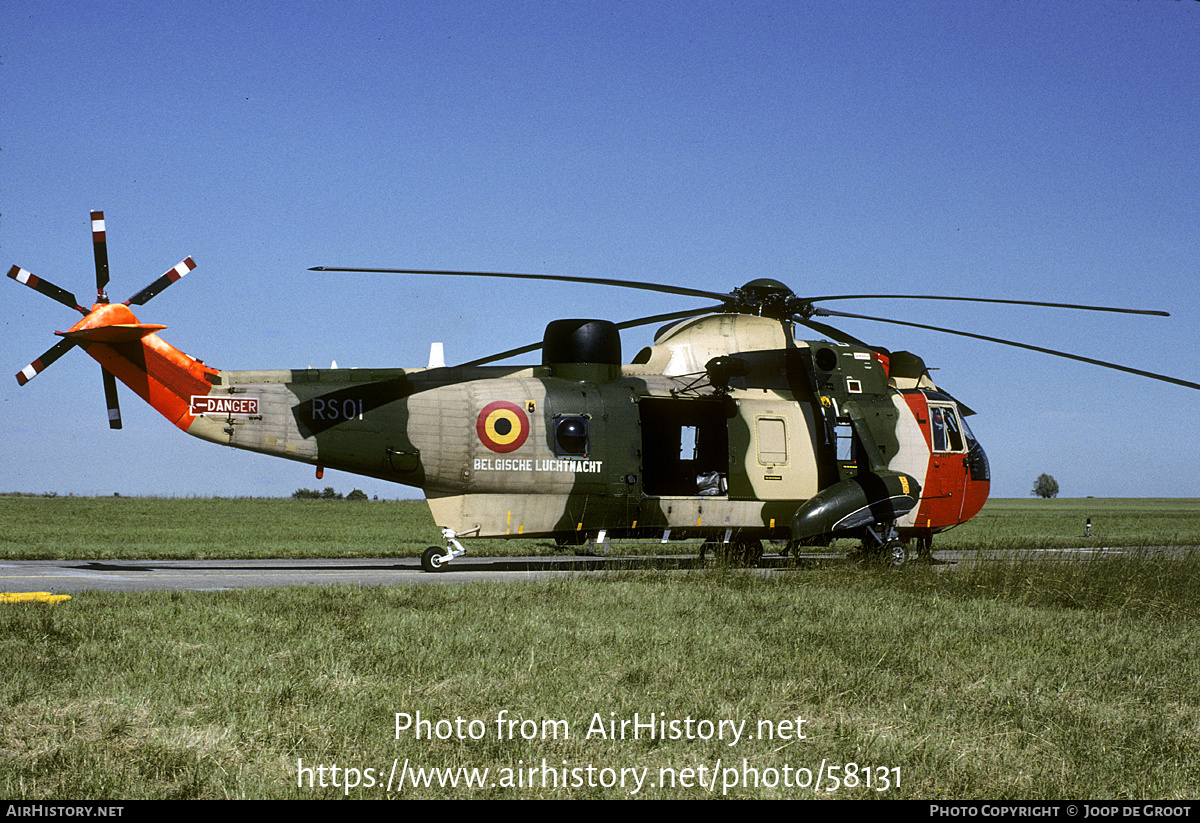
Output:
x=946 y=429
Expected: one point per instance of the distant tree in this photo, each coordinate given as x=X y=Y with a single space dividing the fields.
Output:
x=330 y=494
x=357 y=494
x=1045 y=486
x=306 y=494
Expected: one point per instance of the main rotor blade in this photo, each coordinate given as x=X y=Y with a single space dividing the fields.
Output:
x=46 y=287
x=628 y=324
x=830 y=331
x=833 y=334
x=674 y=315
x=110 y=397
x=155 y=288
x=100 y=251
x=984 y=300
x=504 y=355
x=565 y=278
x=1164 y=378
x=42 y=363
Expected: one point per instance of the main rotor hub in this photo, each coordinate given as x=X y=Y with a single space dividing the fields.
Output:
x=766 y=297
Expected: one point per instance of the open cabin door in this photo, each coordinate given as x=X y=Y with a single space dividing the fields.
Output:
x=685 y=447
x=745 y=449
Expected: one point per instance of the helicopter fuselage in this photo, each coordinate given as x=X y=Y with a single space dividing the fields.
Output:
x=575 y=449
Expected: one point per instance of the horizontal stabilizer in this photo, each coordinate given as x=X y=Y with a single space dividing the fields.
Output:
x=118 y=333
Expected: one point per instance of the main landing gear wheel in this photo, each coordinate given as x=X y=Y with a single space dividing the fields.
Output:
x=433 y=559
x=881 y=543
x=895 y=554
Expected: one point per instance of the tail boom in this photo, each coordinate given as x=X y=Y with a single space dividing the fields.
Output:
x=156 y=371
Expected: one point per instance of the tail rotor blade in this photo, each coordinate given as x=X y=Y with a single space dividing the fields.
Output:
x=42 y=363
x=161 y=283
x=110 y=397
x=100 y=250
x=46 y=287
x=106 y=326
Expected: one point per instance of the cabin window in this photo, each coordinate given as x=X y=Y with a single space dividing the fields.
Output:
x=844 y=434
x=687 y=442
x=571 y=436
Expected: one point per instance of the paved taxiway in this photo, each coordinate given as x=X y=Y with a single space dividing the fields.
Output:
x=73 y=576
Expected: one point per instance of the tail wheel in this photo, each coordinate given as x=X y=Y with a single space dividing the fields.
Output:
x=434 y=559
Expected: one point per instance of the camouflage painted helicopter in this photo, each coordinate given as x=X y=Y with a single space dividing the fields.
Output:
x=727 y=428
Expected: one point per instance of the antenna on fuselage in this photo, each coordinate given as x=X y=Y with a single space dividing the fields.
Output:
x=437 y=356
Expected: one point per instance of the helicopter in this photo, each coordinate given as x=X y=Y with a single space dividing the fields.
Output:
x=729 y=428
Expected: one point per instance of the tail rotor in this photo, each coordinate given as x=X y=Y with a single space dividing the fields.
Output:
x=101 y=315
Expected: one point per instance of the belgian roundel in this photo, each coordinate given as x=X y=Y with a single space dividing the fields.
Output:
x=502 y=426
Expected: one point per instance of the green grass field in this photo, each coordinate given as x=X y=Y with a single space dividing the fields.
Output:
x=991 y=680
x=187 y=528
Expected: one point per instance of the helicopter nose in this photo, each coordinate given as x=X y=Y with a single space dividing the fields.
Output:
x=979 y=483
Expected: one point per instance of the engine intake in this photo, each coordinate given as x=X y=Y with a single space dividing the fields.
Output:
x=573 y=349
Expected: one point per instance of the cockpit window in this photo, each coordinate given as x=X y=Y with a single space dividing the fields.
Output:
x=947 y=429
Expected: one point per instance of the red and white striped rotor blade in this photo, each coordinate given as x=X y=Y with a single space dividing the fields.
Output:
x=100 y=251
x=110 y=397
x=161 y=283
x=42 y=363
x=46 y=287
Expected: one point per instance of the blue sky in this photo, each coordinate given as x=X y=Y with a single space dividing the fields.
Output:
x=1019 y=150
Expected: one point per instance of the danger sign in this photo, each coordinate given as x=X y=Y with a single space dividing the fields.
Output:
x=224 y=406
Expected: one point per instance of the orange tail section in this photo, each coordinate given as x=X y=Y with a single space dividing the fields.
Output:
x=156 y=371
